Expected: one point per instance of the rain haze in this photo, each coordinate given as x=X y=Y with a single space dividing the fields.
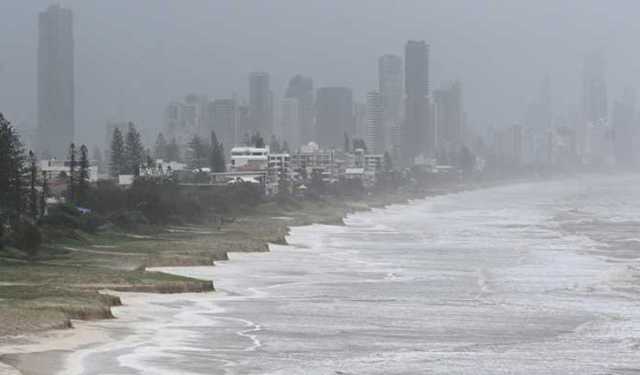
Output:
x=132 y=58
x=305 y=187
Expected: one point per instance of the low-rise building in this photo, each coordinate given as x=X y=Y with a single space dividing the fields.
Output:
x=249 y=159
x=56 y=168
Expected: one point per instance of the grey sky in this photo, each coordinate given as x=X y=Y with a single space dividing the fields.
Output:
x=133 y=56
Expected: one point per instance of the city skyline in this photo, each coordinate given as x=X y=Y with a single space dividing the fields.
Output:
x=134 y=91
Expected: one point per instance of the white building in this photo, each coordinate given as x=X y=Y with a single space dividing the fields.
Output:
x=55 y=168
x=311 y=157
x=279 y=168
x=249 y=159
x=373 y=162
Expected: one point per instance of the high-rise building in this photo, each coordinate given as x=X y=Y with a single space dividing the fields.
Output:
x=391 y=87
x=375 y=137
x=56 y=98
x=449 y=117
x=360 y=119
x=260 y=104
x=222 y=113
x=243 y=124
x=301 y=88
x=186 y=119
x=334 y=116
x=290 y=121
x=419 y=131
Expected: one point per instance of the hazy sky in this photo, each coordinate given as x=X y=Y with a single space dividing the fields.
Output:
x=133 y=56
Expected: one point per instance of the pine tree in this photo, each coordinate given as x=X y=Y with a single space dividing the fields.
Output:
x=199 y=154
x=12 y=173
x=71 y=188
x=222 y=164
x=83 y=175
x=133 y=151
x=217 y=159
x=33 y=194
x=160 y=150
x=44 y=194
x=117 y=164
x=257 y=141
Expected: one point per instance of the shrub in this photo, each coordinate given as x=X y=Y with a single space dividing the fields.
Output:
x=28 y=238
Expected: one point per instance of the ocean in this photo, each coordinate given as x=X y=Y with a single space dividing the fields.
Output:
x=530 y=278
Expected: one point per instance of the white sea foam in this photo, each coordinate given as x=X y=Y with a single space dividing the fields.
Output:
x=509 y=280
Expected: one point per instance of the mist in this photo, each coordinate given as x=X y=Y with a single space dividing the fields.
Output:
x=132 y=58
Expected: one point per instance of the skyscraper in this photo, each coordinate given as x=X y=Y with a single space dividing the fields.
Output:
x=334 y=116
x=419 y=132
x=290 y=121
x=375 y=137
x=390 y=76
x=260 y=104
x=56 y=118
x=449 y=117
x=222 y=113
x=301 y=88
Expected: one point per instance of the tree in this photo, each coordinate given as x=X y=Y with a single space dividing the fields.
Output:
x=198 y=153
x=13 y=174
x=217 y=161
x=173 y=151
x=359 y=144
x=257 y=141
x=28 y=238
x=33 y=194
x=347 y=143
x=83 y=175
x=44 y=194
x=160 y=150
x=71 y=188
x=117 y=162
x=133 y=151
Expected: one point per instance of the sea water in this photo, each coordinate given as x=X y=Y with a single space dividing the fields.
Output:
x=531 y=278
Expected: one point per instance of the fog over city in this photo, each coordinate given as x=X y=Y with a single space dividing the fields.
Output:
x=316 y=187
x=133 y=57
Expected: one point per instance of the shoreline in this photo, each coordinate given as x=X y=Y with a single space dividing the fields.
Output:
x=57 y=344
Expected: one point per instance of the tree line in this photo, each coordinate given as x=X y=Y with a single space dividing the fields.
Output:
x=24 y=189
x=128 y=155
